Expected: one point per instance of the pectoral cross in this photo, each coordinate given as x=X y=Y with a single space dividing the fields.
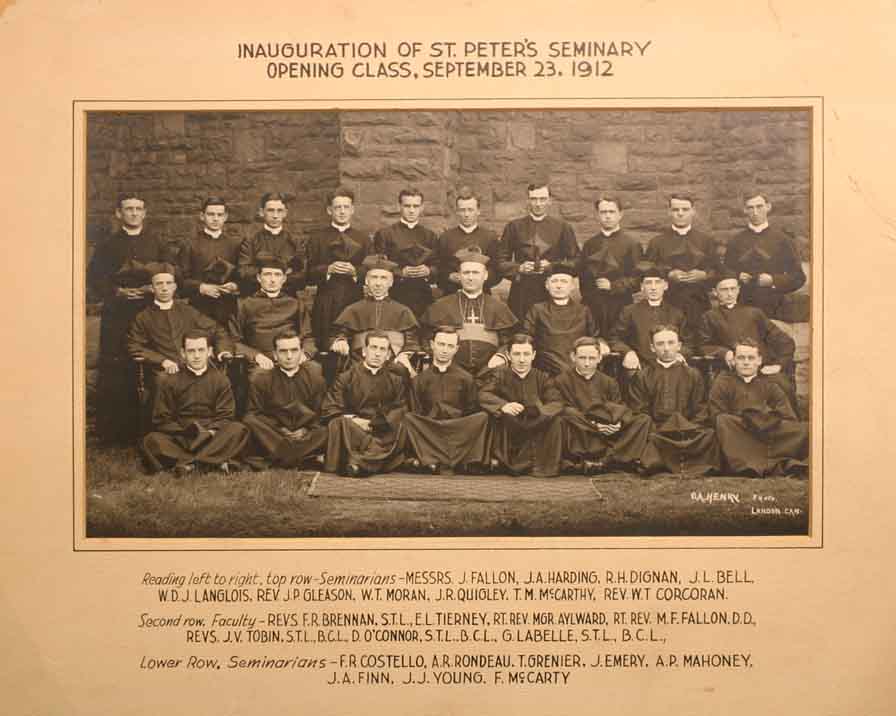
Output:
x=473 y=317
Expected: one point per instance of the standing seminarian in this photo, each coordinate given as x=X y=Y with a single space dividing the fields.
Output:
x=764 y=258
x=193 y=416
x=600 y=431
x=117 y=274
x=334 y=265
x=557 y=323
x=468 y=234
x=413 y=248
x=673 y=395
x=607 y=277
x=687 y=257
x=377 y=312
x=284 y=405
x=483 y=323
x=757 y=429
x=364 y=408
x=209 y=264
x=273 y=239
x=529 y=246
x=445 y=427
x=525 y=406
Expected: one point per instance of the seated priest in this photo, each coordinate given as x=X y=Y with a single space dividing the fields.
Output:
x=557 y=323
x=377 y=312
x=601 y=433
x=758 y=432
x=364 y=408
x=673 y=395
x=730 y=321
x=193 y=422
x=484 y=324
x=525 y=406
x=283 y=414
x=445 y=427
x=156 y=334
x=265 y=313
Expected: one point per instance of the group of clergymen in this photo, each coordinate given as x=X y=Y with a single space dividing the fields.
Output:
x=513 y=387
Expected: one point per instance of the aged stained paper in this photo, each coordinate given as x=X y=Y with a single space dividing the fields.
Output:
x=71 y=616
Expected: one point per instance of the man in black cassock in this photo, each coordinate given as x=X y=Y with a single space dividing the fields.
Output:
x=283 y=415
x=600 y=432
x=273 y=239
x=412 y=247
x=673 y=395
x=468 y=234
x=557 y=323
x=764 y=258
x=758 y=432
x=525 y=406
x=445 y=427
x=117 y=275
x=607 y=266
x=335 y=255
x=208 y=262
x=730 y=321
x=193 y=416
x=377 y=311
x=687 y=257
x=364 y=408
x=262 y=315
x=483 y=323
x=529 y=246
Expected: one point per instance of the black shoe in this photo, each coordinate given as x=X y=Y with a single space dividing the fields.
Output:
x=597 y=467
x=184 y=470
x=412 y=464
x=432 y=468
x=352 y=470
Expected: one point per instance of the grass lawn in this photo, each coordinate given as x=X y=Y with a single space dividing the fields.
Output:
x=124 y=502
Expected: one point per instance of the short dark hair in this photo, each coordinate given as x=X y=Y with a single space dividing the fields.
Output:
x=465 y=193
x=450 y=330
x=409 y=191
x=194 y=334
x=284 y=334
x=125 y=195
x=341 y=191
x=585 y=341
x=214 y=201
x=273 y=196
x=754 y=191
x=682 y=196
x=538 y=184
x=376 y=333
x=660 y=327
x=521 y=339
x=611 y=198
x=748 y=342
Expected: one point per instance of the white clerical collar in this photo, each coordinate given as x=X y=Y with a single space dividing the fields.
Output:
x=748 y=378
x=132 y=232
x=213 y=234
x=586 y=377
x=758 y=229
x=409 y=225
x=440 y=368
x=610 y=232
x=561 y=301
x=472 y=296
x=289 y=373
x=682 y=232
x=371 y=368
x=665 y=364
x=537 y=218
x=165 y=306
x=729 y=307
x=340 y=229
x=272 y=230
x=468 y=230
x=198 y=372
x=655 y=304
x=521 y=375
x=381 y=298
x=268 y=294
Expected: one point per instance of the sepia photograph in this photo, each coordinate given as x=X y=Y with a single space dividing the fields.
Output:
x=465 y=322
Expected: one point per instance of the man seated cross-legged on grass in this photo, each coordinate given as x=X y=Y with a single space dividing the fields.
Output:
x=446 y=427
x=284 y=407
x=600 y=432
x=672 y=393
x=193 y=416
x=759 y=434
x=363 y=408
